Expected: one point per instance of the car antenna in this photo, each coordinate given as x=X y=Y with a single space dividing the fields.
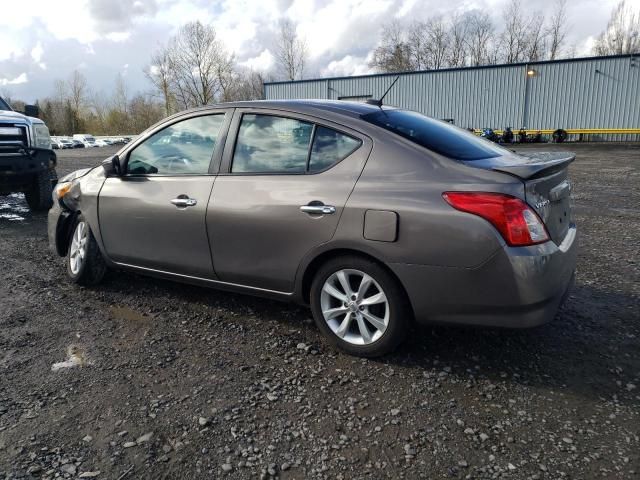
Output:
x=378 y=103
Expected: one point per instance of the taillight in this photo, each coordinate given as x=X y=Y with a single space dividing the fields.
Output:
x=518 y=224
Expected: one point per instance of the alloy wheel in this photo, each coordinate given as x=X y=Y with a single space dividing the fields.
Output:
x=78 y=248
x=355 y=306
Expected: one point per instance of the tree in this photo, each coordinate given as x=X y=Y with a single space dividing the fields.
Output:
x=290 y=51
x=557 y=30
x=513 y=40
x=622 y=34
x=199 y=66
x=535 y=40
x=479 y=38
x=458 y=40
x=247 y=85
x=159 y=74
x=77 y=94
x=393 y=54
x=429 y=44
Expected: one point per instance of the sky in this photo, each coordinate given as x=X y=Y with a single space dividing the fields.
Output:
x=45 y=40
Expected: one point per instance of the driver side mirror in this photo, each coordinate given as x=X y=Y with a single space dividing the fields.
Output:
x=112 y=167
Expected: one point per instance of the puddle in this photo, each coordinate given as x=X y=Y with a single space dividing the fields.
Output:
x=76 y=357
x=13 y=208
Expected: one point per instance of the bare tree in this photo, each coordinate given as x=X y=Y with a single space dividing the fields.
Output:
x=291 y=51
x=479 y=38
x=198 y=64
x=557 y=29
x=535 y=39
x=77 y=91
x=428 y=44
x=458 y=41
x=393 y=54
x=247 y=85
x=159 y=74
x=622 y=34
x=513 y=40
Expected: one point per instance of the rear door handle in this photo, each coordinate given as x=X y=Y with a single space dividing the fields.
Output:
x=183 y=201
x=318 y=209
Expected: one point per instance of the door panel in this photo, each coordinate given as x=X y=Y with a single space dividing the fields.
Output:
x=154 y=215
x=140 y=226
x=257 y=230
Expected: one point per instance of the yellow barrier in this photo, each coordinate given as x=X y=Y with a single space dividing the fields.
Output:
x=577 y=131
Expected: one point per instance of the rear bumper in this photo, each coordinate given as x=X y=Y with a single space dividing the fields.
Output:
x=518 y=287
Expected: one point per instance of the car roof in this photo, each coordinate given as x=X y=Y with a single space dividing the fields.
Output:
x=339 y=107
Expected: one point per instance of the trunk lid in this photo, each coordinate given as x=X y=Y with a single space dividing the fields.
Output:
x=547 y=187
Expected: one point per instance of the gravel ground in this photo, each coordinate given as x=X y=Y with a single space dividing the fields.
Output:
x=183 y=382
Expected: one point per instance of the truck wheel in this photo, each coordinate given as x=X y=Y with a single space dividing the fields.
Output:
x=85 y=265
x=359 y=307
x=53 y=175
x=39 y=195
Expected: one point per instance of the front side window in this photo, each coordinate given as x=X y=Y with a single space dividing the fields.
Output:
x=270 y=144
x=183 y=148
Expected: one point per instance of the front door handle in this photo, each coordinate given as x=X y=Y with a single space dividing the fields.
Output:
x=183 y=201
x=318 y=209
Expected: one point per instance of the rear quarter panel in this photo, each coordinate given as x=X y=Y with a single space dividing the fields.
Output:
x=410 y=180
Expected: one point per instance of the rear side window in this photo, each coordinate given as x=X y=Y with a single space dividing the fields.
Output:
x=270 y=144
x=329 y=147
x=438 y=136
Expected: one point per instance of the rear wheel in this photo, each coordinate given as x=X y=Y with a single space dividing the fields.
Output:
x=39 y=195
x=359 y=306
x=85 y=265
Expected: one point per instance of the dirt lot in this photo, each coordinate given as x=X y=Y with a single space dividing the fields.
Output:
x=184 y=382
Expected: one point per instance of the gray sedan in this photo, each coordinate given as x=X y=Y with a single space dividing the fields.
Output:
x=374 y=216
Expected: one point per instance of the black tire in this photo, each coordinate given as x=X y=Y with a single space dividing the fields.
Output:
x=400 y=315
x=560 y=135
x=93 y=268
x=53 y=176
x=39 y=195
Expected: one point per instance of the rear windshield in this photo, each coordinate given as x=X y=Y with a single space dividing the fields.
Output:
x=4 y=105
x=438 y=136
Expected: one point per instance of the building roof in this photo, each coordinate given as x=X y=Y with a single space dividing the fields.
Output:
x=479 y=67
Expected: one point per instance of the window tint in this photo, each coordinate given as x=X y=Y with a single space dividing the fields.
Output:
x=330 y=147
x=435 y=135
x=271 y=144
x=183 y=148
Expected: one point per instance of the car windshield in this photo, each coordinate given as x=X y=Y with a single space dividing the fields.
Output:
x=436 y=135
x=4 y=105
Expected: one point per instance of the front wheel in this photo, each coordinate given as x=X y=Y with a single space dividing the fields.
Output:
x=359 y=306
x=85 y=265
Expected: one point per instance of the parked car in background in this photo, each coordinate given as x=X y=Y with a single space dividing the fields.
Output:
x=65 y=142
x=55 y=144
x=77 y=143
x=87 y=140
x=102 y=142
x=374 y=216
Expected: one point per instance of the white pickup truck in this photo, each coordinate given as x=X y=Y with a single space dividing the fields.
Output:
x=27 y=162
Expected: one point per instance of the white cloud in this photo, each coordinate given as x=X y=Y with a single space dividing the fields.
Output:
x=36 y=52
x=348 y=65
x=22 y=78
x=262 y=62
x=118 y=36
